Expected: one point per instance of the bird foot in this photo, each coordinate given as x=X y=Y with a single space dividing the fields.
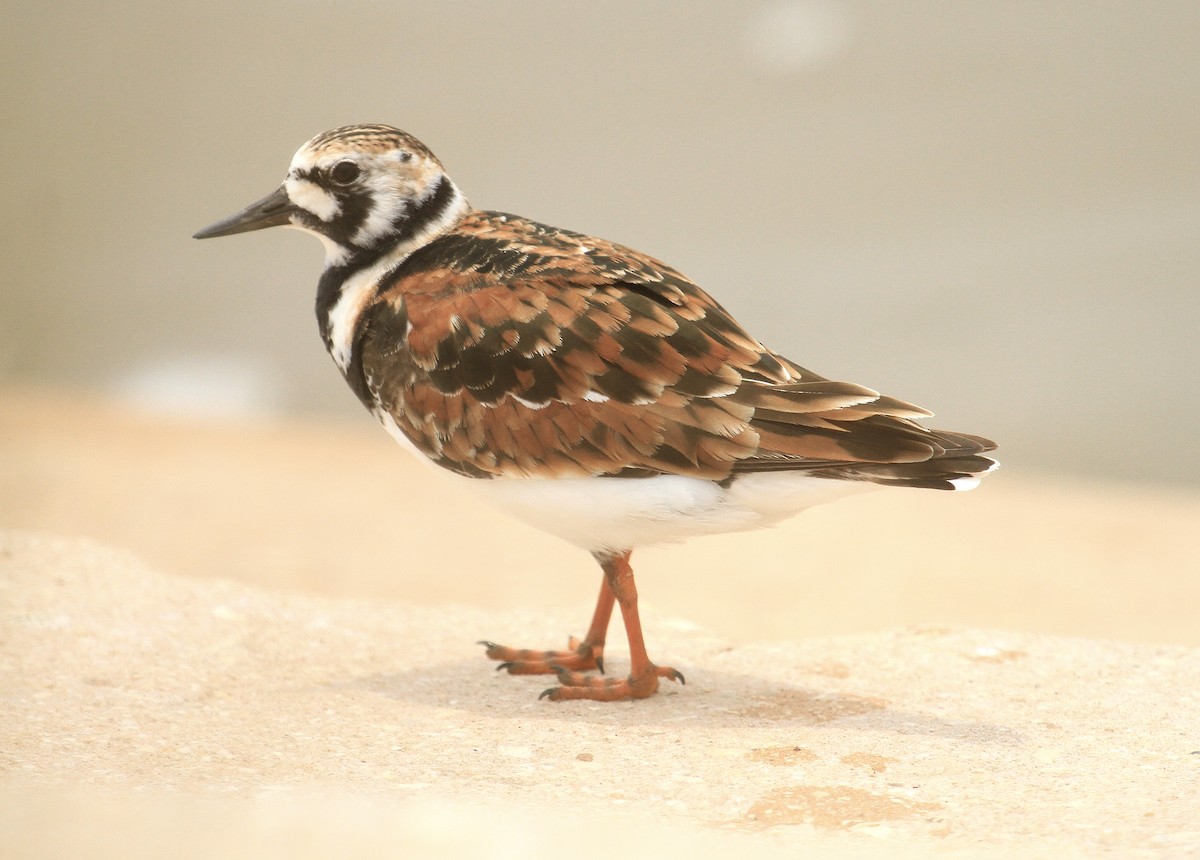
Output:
x=576 y=685
x=581 y=656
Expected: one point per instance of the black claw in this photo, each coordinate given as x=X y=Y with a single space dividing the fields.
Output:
x=503 y=666
x=600 y=664
x=546 y=693
x=486 y=644
x=678 y=676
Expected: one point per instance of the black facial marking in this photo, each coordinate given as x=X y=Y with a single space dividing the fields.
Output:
x=430 y=210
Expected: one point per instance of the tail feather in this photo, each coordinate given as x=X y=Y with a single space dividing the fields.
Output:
x=849 y=432
x=953 y=461
x=945 y=473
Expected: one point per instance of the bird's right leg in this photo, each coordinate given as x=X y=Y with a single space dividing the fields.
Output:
x=588 y=654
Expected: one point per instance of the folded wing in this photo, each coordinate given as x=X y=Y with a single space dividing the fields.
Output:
x=508 y=349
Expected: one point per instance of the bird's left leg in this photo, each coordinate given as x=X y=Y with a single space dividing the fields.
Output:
x=580 y=656
x=642 y=680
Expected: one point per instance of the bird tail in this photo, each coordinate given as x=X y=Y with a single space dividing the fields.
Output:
x=960 y=466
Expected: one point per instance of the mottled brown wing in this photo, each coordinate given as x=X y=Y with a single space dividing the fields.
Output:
x=511 y=349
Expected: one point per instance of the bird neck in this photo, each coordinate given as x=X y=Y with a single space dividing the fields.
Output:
x=352 y=280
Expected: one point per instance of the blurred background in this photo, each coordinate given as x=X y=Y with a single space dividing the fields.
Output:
x=991 y=208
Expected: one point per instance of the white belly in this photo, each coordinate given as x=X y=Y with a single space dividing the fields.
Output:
x=624 y=513
x=598 y=514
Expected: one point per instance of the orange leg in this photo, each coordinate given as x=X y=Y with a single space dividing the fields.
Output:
x=588 y=654
x=642 y=680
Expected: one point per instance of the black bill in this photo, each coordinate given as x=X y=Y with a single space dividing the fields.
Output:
x=273 y=210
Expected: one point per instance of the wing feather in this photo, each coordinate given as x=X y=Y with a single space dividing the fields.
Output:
x=509 y=349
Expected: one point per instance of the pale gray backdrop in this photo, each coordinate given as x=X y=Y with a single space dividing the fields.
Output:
x=989 y=208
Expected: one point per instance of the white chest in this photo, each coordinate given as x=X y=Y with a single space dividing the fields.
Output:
x=356 y=294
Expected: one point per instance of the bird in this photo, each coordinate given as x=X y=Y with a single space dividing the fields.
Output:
x=576 y=384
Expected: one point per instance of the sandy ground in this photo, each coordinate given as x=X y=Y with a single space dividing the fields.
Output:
x=259 y=641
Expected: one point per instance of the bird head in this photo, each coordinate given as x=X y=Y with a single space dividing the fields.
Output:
x=360 y=189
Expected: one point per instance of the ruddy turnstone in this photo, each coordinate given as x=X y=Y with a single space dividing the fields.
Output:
x=579 y=385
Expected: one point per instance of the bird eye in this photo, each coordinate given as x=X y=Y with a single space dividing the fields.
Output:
x=405 y=156
x=344 y=172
